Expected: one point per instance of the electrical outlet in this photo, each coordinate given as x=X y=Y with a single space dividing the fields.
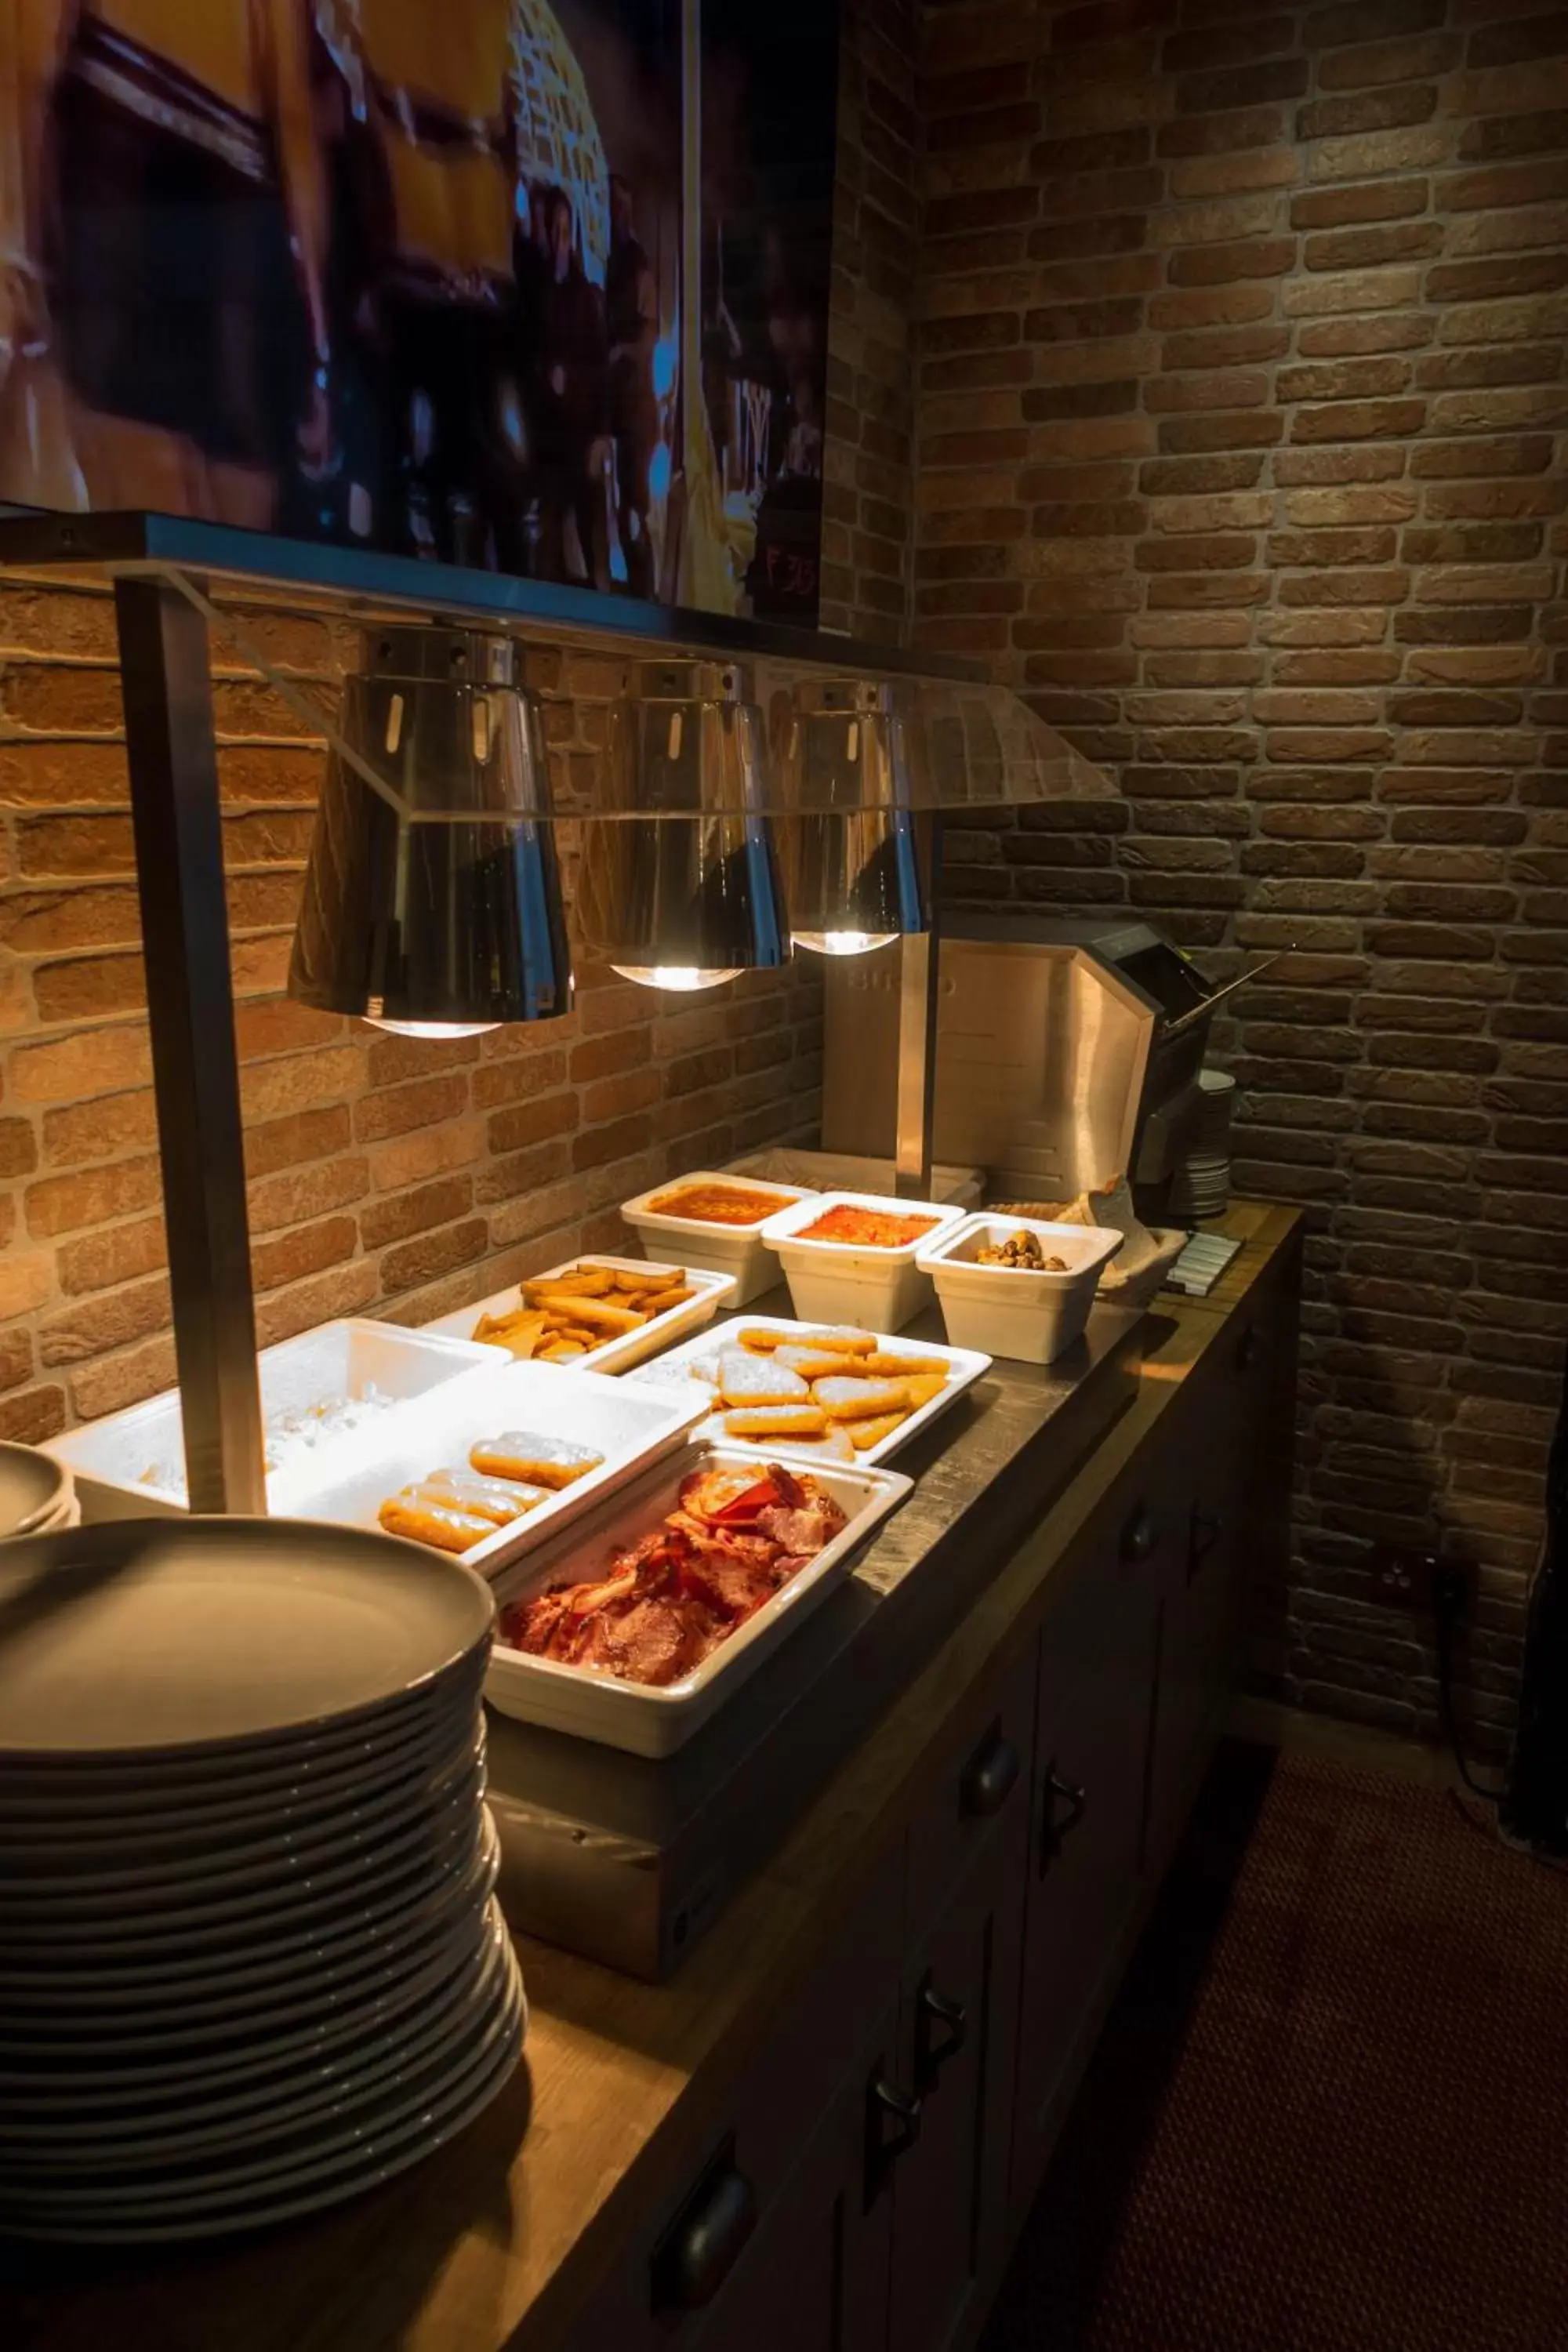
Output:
x=1402 y=1578
x=1420 y=1580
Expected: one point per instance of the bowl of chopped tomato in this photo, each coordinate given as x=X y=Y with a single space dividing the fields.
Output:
x=851 y=1258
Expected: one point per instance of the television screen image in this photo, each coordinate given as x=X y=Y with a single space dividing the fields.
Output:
x=538 y=286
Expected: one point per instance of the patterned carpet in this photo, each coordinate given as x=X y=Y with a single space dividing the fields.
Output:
x=1330 y=2112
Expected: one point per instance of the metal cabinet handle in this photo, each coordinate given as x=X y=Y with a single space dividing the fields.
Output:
x=1207 y=1528
x=892 y=2127
x=699 y=2249
x=941 y=2028
x=1249 y=1349
x=1054 y=1827
x=1141 y=1535
x=989 y=1778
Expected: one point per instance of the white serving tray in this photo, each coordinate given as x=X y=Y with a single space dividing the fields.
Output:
x=713 y=1291
x=655 y=1722
x=631 y=1426
x=968 y=1364
x=737 y=1251
x=847 y=1282
x=108 y=1457
x=1031 y=1318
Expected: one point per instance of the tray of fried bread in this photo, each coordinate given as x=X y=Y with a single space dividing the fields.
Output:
x=820 y=1390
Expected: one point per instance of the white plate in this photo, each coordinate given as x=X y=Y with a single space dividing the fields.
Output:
x=625 y=1424
x=735 y=1250
x=88 y=2080
x=151 y=1635
x=64 y=1794
x=211 y=1890
x=655 y=1722
x=55 y=1847
x=376 y=2161
x=323 y=1995
x=321 y=2089
x=35 y=1491
x=713 y=1291
x=344 y=1360
x=182 y=1974
x=967 y=1366
x=435 y=2092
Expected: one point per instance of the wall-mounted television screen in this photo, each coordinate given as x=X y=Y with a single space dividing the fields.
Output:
x=535 y=285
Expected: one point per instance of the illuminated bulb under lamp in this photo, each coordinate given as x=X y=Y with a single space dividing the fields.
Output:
x=432 y=1029
x=681 y=979
x=843 y=943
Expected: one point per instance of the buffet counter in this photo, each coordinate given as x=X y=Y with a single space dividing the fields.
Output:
x=719 y=2158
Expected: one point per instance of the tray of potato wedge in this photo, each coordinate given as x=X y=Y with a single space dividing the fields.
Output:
x=597 y=1314
x=823 y=1391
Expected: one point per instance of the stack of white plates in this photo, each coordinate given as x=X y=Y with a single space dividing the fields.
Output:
x=1201 y=1187
x=38 y=1495
x=250 y=1963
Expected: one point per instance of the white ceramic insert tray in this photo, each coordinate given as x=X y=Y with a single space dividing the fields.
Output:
x=111 y=1458
x=735 y=1250
x=713 y=1291
x=850 y=1282
x=687 y=1366
x=647 y=1722
x=630 y=1426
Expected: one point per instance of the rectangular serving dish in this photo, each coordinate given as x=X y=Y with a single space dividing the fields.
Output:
x=968 y=1365
x=713 y=1291
x=737 y=1251
x=109 y=1458
x=630 y=1426
x=592 y=1704
x=1031 y=1318
x=847 y=1282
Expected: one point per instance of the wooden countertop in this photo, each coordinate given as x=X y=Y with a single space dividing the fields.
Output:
x=498 y=2240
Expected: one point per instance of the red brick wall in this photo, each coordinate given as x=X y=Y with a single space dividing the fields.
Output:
x=388 y=1177
x=1242 y=391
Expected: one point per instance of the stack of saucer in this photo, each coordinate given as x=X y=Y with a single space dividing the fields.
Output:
x=1201 y=1186
x=250 y=1963
x=38 y=1495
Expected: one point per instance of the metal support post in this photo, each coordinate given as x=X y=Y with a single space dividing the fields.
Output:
x=920 y=954
x=167 y=690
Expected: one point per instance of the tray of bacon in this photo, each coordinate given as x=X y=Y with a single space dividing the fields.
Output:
x=632 y=1627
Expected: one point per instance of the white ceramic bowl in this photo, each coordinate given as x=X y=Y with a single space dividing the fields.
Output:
x=842 y=1282
x=1009 y=1311
x=737 y=1251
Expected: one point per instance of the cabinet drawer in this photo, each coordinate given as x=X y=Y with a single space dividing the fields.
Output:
x=984 y=1782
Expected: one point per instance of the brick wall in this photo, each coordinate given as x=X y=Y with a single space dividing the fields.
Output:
x=1240 y=452
x=388 y=1176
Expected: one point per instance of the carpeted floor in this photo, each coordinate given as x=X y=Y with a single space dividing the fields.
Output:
x=1330 y=2111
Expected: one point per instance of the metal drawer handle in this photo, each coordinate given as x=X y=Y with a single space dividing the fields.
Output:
x=1247 y=1350
x=989 y=1778
x=1207 y=1528
x=1141 y=1535
x=699 y=2249
x=1054 y=1827
x=892 y=2127
x=941 y=2028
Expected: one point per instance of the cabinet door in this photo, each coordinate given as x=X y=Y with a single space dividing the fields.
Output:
x=958 y=2009
x=1098 y=1653
x=813 y=2275
x=1233 y=1446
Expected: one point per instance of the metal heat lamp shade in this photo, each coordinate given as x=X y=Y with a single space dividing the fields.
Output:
x=432 y=904
x=686 y=893
x=851 y=872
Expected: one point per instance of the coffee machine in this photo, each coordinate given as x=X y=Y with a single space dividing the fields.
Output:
x=1066 y=1053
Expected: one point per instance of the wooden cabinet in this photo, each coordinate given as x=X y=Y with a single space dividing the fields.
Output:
x=895 y=2131
x=957 y=2031
x=1097 y=1672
